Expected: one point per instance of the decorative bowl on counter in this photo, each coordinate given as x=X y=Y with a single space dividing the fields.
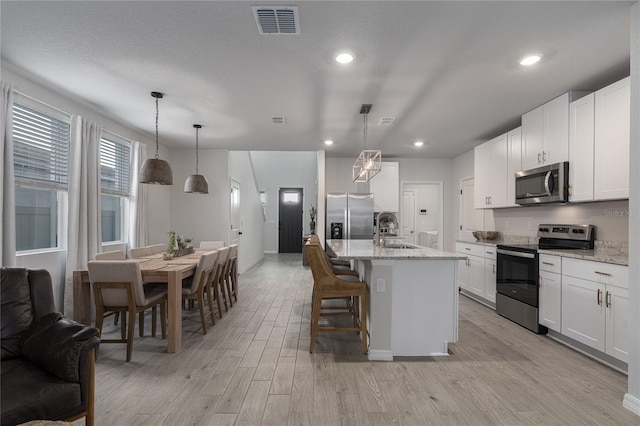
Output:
x=486 y=235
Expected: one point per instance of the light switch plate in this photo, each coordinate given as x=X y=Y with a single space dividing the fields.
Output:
x=381 y=285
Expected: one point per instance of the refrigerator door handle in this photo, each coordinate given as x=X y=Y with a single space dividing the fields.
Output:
x=347 y=232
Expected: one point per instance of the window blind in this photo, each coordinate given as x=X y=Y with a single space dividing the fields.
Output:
x=114 y=167
x=41 y=149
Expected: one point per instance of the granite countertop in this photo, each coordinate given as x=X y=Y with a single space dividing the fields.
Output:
x=606 y=252
x=365 y=249
x=605 y=256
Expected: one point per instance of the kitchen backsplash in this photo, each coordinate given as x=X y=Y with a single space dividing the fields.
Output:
x=610 y=218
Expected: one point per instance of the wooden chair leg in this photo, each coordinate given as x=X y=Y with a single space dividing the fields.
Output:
x=314 y=323
x=154 y=317
x=116 y=315
x=210 y=303
x=99 y=322
x=132 y=329
x=216 y=295
x=123 y=326
x=163 y=319
x=363 y=323
x=201 y=309
x=141 y=324
x=223 y=294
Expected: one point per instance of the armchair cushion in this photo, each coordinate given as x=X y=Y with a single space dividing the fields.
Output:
x=55 y=344
x=16 y=310
x=30 y=392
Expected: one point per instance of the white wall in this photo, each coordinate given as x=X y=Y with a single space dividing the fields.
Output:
x=339 y=176
x=251 y=242
x=54 y=260
x=205 y=217
x=277 y=169
x=426 y=198
x=632 y=399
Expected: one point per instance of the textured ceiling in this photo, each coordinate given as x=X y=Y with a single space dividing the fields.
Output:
x=447 y=71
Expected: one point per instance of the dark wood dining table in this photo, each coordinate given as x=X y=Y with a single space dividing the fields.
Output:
x=154 y=269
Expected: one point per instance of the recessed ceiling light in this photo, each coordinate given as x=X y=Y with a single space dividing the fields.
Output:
x=344 y=58
x=418 y=143
x=530 y=59
x=328 y=142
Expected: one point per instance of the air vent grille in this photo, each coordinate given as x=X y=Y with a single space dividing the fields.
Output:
x=279 y=119
x=386 y=121
x=276 y=19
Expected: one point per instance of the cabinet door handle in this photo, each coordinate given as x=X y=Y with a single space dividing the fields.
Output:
x=607 y=299
x=599 y=297
x=494 y=269
x=603 y=273
x=544 y=156
x=570 y=191
x=548 y=263
x=467 y=248
x=539 y=156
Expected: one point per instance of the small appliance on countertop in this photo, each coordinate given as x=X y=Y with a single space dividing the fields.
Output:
x=517 y=281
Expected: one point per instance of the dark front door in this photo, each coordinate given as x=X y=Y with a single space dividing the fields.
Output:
x=290 y=220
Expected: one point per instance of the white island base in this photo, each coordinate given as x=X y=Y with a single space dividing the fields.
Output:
x=412 y=299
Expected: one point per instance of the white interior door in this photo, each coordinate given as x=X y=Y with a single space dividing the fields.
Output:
x=235 y=213
x=408 y=216
x=471 y=219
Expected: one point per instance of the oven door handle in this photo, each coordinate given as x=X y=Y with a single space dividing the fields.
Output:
x=517 y=253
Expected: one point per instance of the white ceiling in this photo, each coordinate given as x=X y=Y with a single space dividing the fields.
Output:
x=448 y=71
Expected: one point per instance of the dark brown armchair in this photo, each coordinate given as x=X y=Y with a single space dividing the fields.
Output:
x=47 y=360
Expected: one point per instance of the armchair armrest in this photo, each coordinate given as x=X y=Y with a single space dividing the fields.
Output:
x=56 y=344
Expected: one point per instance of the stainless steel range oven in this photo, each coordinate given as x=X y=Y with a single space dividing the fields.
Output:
x=517 y=280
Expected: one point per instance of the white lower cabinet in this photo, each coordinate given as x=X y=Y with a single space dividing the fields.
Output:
x=595 y=305
x=550 y=292
x=477 y=274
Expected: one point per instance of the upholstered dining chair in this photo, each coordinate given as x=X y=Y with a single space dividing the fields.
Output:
x=117 y=287
x=157 y=248
x=232 y=272
x=138 y=252
x=111 y=255
x=211 y=245
x=220 y=279
x=193 y=288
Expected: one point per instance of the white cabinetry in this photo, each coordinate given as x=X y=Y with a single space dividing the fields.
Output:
x=514 y=165
x=477 y=274
x=545 y=133
x=595 y=305
x=550 y=292
x=490 y=173
x=385 y=187
x=599 y=144
x=612 y=126
x=581 y=140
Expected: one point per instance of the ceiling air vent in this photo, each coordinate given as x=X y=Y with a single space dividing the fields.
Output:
x=386 y=121
x=276 y=19
x=279 y=119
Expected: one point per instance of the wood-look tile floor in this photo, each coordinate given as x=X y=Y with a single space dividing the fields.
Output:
x=253 y=367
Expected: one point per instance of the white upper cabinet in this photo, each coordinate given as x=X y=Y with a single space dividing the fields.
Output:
x=599 y=144
x=490 y=173
x=581 y=140
x=385 y=187
x=612 y=126
x=514 y=165
x=545 y=134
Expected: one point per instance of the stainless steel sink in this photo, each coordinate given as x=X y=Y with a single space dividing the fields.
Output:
x=400 y=246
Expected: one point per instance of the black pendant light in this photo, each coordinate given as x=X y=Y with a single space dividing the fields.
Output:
x=155 y=170
x=196 y=183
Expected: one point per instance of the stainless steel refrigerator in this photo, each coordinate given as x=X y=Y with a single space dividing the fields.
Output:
x=349 y=216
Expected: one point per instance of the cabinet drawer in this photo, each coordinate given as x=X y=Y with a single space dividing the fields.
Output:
x=604 y=273
x=489 y=252
x=470 y=249
x=550 y=263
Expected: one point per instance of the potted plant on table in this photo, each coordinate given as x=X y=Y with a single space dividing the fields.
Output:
x=312 y=215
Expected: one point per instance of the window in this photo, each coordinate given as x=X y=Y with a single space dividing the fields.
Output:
x=115 y=157
x=40 y=159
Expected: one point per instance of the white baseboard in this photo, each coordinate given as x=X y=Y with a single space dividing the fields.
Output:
x=270 y=252
x=631 y=403
x=380 y=355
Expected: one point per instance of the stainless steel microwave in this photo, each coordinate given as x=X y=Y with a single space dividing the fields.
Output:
x=546 y=184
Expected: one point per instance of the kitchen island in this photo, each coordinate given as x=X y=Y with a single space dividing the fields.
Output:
x=412 y=296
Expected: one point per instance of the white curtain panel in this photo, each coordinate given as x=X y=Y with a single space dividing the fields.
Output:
x=137 y=199
x=84 y=232
x=7 y=184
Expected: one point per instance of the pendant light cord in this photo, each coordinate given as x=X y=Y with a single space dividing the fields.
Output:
x=197 y=129
x=157 y=128
x=365 y=132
